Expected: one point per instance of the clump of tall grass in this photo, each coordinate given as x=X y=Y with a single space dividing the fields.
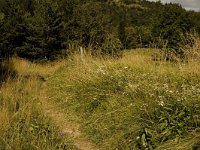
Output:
x=187 y=50
x=192 y=47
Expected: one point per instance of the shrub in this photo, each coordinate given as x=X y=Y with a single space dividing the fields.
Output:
x=112 y=46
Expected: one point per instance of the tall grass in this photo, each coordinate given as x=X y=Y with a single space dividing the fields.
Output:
x=23 y=124
x=132 y=102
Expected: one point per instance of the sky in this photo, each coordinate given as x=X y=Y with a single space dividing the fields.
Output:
x=187 y=4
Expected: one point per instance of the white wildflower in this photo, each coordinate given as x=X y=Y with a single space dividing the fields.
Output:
x=161 y=103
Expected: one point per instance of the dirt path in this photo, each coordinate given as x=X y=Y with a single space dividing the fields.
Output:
x=67 y=127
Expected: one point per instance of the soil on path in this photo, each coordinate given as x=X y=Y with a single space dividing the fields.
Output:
x=67 y=127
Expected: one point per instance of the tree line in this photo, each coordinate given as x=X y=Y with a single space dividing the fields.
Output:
x=47 y=29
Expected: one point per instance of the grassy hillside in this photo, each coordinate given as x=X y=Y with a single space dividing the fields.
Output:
x=133 y=102
x=127 y=103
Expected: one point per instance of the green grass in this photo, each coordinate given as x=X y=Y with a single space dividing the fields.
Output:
x=23 y=124
x=132 y=102
x=126 y=103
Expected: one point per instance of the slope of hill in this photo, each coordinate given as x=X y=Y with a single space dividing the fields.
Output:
x=131 y=103
x=126 y=103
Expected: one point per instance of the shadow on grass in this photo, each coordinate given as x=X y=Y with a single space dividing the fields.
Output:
x=6 y=71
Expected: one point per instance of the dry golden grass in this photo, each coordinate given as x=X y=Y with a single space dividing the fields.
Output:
x=23 y=124
x=25 y=67
x=23 y=97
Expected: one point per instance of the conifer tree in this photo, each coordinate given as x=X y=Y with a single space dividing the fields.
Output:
x=13 y=27
x=44 y=40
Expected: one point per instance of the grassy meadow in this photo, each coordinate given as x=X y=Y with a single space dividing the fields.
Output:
x=127 y=103
x=23 y=122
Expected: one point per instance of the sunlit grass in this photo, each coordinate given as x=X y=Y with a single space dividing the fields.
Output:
x=23 y=124
x=25 y=67
x=116 y=100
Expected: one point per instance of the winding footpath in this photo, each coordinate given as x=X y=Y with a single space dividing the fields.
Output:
x=67 y=128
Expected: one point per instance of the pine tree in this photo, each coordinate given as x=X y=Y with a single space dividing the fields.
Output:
x=13 y=27
x=44 y=40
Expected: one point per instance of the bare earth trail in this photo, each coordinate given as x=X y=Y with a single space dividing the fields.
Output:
x=67 y=127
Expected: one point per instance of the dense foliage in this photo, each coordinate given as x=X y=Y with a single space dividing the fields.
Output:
x=48 y=29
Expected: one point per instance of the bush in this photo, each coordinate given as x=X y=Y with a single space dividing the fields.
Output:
x=112 y=46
